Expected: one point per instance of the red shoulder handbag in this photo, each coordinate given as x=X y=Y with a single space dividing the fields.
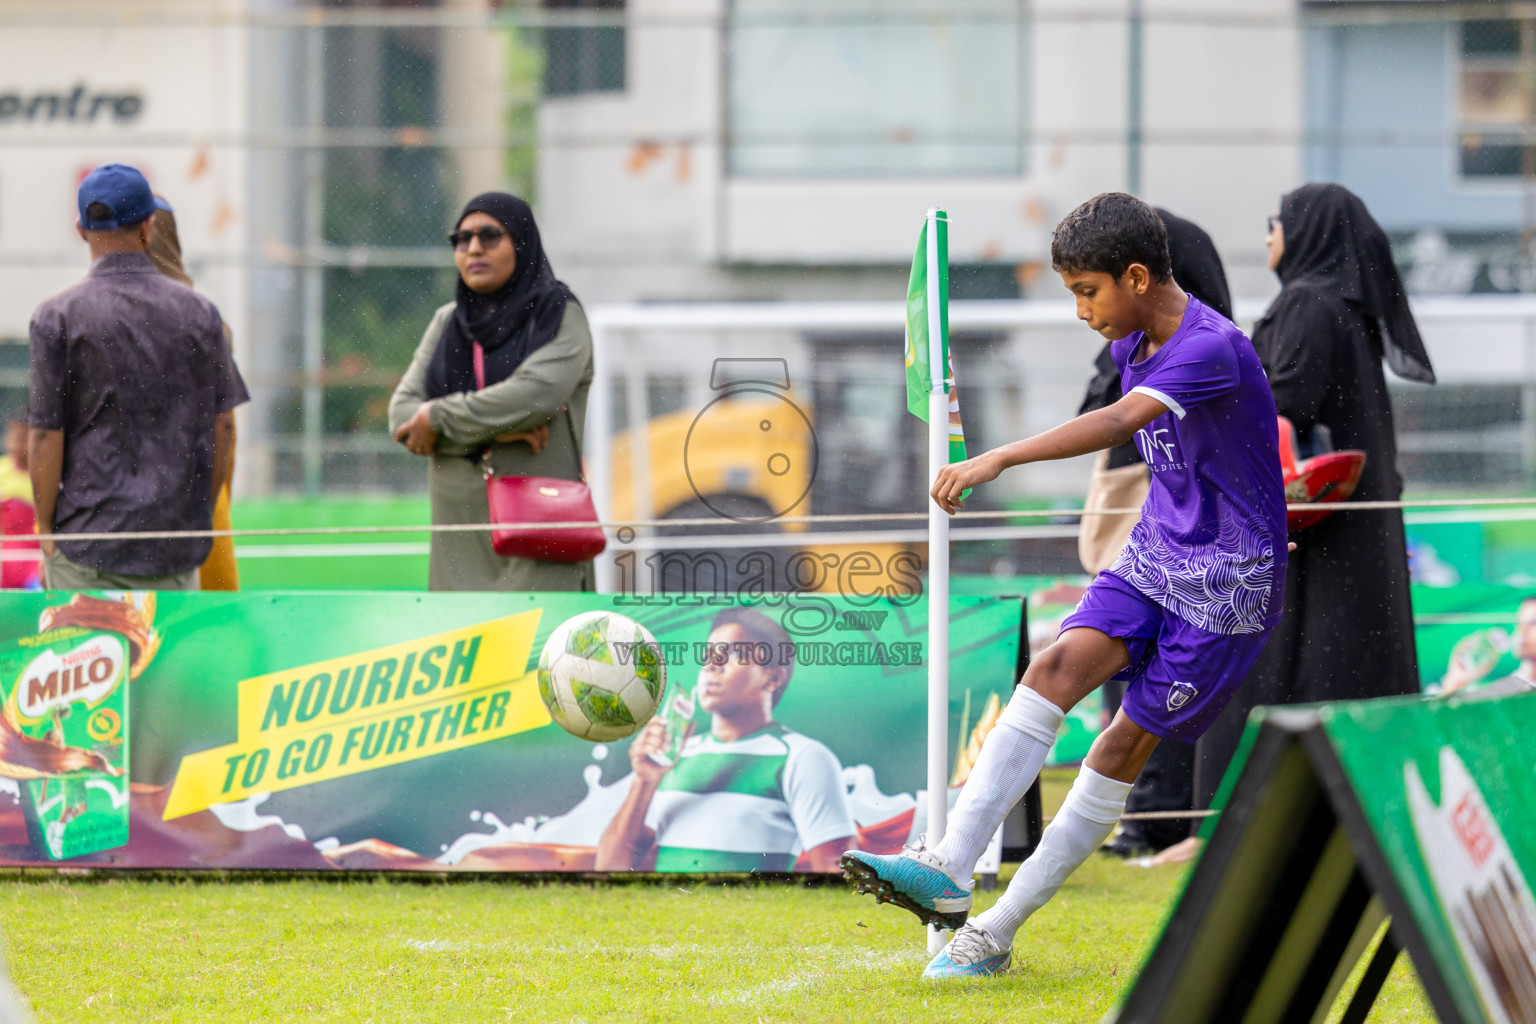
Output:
x=540 y=499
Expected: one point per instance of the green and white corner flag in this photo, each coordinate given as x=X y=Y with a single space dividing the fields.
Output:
x=930 y=393
x=922 y=294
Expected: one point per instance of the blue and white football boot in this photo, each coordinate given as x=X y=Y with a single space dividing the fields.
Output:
x=914 y=880
x=971 y=953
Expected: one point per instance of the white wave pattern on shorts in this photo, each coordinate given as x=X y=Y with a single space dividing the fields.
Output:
x=1221 y=587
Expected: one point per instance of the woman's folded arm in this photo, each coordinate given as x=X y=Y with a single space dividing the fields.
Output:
x=535 y=392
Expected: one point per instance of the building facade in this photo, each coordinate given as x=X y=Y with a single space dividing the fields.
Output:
x=786 y=148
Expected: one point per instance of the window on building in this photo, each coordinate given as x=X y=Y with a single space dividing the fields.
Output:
x=584 y=58
x=1498 y=97
x=876 y=87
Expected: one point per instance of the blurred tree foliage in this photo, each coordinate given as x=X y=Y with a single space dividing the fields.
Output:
x=397 y=196
x=525 y=76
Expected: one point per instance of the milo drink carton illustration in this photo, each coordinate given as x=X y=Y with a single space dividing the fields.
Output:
x=1485 y=895
x=64 y=735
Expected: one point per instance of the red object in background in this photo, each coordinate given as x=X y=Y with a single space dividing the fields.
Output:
x=17 y=519
x=1322 y=479
x=887 y=837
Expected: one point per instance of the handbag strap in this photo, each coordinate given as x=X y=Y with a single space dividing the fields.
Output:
x=570 y=422
x=485 y=452
x=478 y=358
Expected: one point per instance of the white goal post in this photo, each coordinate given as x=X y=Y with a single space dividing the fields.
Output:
x=1471 y=338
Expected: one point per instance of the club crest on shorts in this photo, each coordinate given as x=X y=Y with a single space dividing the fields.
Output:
x=1180 y=694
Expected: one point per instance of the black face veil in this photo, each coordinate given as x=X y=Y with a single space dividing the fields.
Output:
x=1332 y=241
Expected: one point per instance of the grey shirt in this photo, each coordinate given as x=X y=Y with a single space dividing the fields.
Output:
x=133 y=368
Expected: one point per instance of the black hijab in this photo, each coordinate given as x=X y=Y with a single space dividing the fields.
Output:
x=1333 y=243
x=510 y=323
x=1196 y=264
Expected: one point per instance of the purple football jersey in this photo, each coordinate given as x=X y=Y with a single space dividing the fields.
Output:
x=1210 y=544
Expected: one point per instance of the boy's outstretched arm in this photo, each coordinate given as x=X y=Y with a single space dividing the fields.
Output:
x=1090 y=432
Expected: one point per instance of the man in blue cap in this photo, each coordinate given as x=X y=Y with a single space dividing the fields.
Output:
x=131 y=405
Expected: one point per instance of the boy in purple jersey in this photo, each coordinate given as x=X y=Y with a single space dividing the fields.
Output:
x=1182 y=614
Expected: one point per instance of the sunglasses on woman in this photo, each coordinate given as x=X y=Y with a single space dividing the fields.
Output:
x=489 y=237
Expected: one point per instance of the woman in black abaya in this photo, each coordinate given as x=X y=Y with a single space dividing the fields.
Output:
x=1347 y=628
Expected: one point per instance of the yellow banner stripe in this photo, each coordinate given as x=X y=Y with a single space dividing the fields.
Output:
x=370 y=710
x=268 y=764
x=404 y=675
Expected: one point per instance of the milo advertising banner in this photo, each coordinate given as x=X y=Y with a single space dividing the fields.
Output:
x=1449 y=790
x=64 y=727
x=483 y=732
x=1348 y=834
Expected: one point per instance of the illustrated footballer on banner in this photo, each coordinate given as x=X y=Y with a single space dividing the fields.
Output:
x=1182 y=614
x=748 y=795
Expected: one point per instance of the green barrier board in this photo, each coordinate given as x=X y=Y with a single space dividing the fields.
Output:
x=323 y=731
x=1410 y=814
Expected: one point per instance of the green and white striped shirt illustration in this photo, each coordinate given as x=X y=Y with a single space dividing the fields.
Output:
x=749 y=805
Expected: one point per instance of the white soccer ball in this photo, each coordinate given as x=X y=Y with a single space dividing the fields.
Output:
x=601 y=676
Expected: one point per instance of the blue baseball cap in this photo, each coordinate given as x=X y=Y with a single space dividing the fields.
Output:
x=115 y=196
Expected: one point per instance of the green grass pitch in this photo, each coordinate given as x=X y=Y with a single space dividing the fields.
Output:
x=136 y=950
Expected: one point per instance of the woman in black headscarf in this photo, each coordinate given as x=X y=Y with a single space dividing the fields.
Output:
x=1165 y=783
x=1347 y=629
x=535 y=351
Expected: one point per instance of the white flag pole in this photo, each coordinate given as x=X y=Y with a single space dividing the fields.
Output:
x=938 y=565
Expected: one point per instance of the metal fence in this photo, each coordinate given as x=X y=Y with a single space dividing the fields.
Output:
x=355 y=131
x=1019 y=368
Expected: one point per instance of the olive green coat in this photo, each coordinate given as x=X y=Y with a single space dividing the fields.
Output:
x=555 y=375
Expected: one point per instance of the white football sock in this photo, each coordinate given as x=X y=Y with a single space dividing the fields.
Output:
x=1086 y=819
x=1010 y=758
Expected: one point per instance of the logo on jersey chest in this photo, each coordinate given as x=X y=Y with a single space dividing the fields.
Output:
x=1180 y=694
x=1157 y=448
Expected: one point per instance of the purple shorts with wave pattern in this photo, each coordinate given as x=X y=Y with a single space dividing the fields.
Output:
x=1180 y=676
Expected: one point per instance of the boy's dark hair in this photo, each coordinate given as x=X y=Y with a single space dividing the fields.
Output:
x=1110 y=232
x=762 y=630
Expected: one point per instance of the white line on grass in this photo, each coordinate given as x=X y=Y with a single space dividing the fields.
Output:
x=838 y=961
x=691 y=949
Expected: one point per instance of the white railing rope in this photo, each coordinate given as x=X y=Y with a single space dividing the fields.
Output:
x=737 y=539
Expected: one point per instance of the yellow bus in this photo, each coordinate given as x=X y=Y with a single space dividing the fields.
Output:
x=748 y=461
